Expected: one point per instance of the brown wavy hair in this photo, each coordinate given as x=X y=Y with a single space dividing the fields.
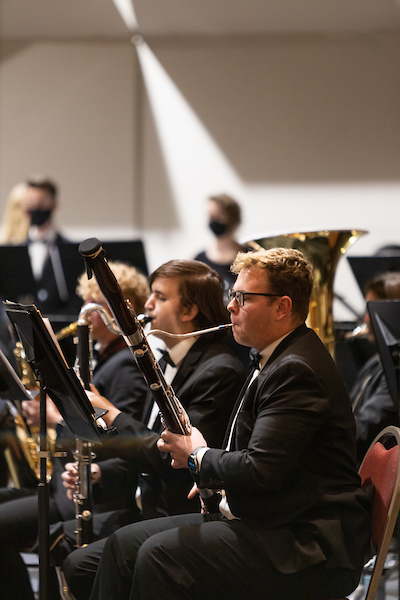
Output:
x=199 y=285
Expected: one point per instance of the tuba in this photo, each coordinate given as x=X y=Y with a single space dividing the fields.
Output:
x=324 y=250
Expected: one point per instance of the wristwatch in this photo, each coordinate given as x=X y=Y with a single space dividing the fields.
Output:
x=194 y=463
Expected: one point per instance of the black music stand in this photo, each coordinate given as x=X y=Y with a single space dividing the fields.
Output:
x=18 y=284
x=366 y=268
x=60 y=382
x=129 y=251
x=385 y=321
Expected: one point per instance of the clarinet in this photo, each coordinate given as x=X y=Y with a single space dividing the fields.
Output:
x=173 y=414
x=83 y=451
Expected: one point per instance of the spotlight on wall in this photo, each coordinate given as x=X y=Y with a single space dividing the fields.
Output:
x=127 y=12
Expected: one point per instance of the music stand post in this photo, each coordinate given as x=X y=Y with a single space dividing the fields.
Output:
x=385 y=321
x=60 y=382
x=43 y=500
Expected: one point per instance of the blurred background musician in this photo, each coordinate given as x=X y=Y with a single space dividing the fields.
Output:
x=15 y=223
x=117 y=376
x=52 y=295
x=13 y=231
x=373 y=406
x=224 y=218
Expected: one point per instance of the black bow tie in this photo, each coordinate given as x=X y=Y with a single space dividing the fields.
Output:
x=166 y=356
x=255 y=358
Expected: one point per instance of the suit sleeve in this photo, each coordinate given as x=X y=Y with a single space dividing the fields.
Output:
x=208 y=398
x=281 y=415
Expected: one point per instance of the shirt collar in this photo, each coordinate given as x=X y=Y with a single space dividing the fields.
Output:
x=266 y=353
x=35 y=235
x=179 y=351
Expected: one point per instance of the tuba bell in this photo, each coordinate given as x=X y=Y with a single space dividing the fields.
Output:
x=324 y=249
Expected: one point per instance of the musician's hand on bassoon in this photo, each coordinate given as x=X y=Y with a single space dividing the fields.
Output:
x=70 y=477
x=180 y=446
x=99 y=401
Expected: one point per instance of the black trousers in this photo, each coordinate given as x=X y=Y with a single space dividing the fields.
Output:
x=18 y=530
x=186 y=557
x=81 y=564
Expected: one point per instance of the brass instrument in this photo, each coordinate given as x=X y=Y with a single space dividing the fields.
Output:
x=71 y=329
x=28 y=437
x=324 y=249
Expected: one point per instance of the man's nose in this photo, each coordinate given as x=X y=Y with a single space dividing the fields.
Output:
x=232 y=306
x=149 y=302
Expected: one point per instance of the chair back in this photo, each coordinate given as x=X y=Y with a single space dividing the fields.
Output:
x=381 y=468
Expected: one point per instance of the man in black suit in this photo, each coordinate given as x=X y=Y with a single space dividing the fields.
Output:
x=206 y=377
x=53 y=294
x=294 y=522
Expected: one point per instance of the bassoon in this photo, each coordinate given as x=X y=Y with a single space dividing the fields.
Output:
x=173 y=414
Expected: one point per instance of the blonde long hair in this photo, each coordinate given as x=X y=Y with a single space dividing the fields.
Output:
x=15 y=223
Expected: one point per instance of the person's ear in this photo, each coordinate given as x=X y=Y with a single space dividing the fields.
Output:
x=284 y=307
x=189 y=313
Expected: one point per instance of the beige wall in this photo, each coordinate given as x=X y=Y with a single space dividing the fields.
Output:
x=67 y=110
x=305 y=131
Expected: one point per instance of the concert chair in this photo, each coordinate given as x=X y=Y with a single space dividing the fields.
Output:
x=381 y=467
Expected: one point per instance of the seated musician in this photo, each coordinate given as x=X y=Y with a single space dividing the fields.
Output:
x=373 y=406
x=206 y=377
x=293 y=521
x=116 y=375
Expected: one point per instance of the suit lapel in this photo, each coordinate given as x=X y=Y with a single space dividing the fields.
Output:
x=298 y=332
x=285 y=343
x=236 y=408
x=188 y=365
x=185 y=370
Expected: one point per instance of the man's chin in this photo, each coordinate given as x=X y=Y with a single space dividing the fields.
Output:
x=239 y=340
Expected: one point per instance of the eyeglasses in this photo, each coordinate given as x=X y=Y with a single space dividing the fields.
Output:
x=239 y=296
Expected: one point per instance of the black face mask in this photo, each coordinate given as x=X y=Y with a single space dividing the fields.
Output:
x=39 y=217
x=218 y=228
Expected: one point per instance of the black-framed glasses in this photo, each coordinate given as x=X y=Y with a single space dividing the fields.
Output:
x=239 y=296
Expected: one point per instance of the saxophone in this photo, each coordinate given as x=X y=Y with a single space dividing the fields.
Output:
x=28 y=437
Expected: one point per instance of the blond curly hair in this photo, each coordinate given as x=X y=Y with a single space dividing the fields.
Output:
x=133 y=285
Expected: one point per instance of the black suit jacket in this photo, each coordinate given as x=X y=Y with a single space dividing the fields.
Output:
x=207 y=384
x=293 y=473
x=46 y=291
